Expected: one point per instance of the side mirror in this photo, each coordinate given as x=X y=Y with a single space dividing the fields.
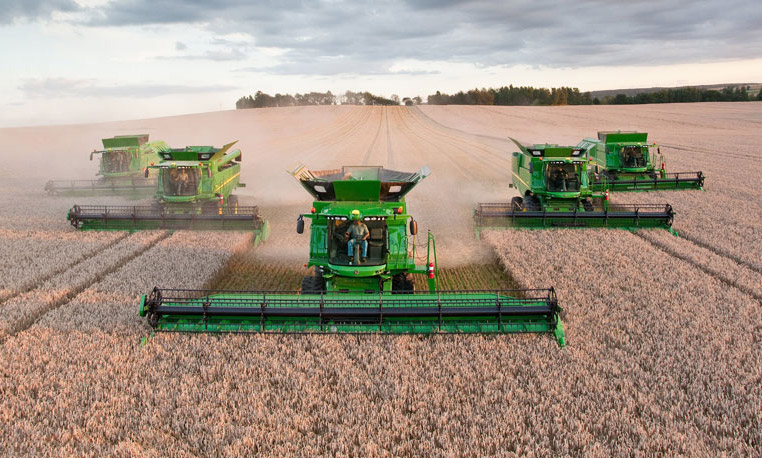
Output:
x=510 y=185
x=300 y=225
x=91 y=155
x=531 y=167
x=413 y=227
x=146 y=173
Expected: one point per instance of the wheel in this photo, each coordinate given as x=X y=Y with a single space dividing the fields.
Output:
x=587 y=204
x=517 y=204
x=531 y=204
x=210 y=208
x=233 y=203
x=309 y=286
x=402 y=283
x=319 y=280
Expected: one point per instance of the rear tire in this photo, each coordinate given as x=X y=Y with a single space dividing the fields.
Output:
x=587 y=204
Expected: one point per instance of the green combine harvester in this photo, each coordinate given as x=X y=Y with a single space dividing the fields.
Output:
x=354 y=290
x=555 y=193
x=625 y=161
x=193 y=191
x=122 y=164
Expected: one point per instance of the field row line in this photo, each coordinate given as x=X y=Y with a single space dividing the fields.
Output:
x=67 y=297
x=716 y=251
x=725 y=279
x=84 y=257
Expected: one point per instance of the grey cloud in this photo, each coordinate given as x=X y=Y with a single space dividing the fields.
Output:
x=13 y=10
x=218 y=55
x=63 y=87
x=369 y=35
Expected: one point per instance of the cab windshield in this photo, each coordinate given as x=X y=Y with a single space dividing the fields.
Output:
x=562 y=177
x=632 y=157
x=180 y=181
x=339 y=247
x=116 y=161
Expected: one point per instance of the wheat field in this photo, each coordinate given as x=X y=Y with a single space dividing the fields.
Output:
x=662 y=332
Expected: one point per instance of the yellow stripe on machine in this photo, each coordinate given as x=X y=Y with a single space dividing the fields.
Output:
x=525 y=183
x=226 y=182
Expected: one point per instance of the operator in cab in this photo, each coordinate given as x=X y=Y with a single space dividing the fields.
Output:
x=558 y=178
x=357 y=233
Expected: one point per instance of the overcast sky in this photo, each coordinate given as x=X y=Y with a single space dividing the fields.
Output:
x=86 y=60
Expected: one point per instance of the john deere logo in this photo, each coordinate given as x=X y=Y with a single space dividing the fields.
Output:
x=357 y=272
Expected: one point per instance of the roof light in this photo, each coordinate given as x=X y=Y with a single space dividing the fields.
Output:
x=313 y=210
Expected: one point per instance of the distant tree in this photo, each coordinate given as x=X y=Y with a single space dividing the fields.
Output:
x=244 y=102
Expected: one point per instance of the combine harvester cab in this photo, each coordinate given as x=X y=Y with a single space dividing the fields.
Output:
x=351 y=295
x=192 y=191
x=555 y=193
x=625 y=161
x=123 y=160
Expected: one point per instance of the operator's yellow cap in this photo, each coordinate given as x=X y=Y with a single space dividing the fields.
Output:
x=355 y=214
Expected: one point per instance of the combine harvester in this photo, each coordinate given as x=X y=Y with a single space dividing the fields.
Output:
x=193 y=191
x=553 y=181
x=621 y=162
x=122 y=164
x=349 y=294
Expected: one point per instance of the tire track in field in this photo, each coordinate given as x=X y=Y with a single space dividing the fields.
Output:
x=723 y=278
x=85 y=256
x=456 y=135
x=714 y=250
x=416 y=138
x=74 y=291
x=389 y=150
x=372 y=146
x=692 y=149
x=340 y=147
x=307 y=145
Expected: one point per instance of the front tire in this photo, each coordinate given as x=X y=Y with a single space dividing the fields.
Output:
x=517 y=204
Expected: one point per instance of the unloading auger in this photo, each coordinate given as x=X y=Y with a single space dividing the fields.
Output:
x=625 y=161
x=193 y=191
x=555 y=193
x=123 y=160
x=362 y=286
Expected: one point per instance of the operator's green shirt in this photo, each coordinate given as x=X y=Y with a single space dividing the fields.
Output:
x=357 y=231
